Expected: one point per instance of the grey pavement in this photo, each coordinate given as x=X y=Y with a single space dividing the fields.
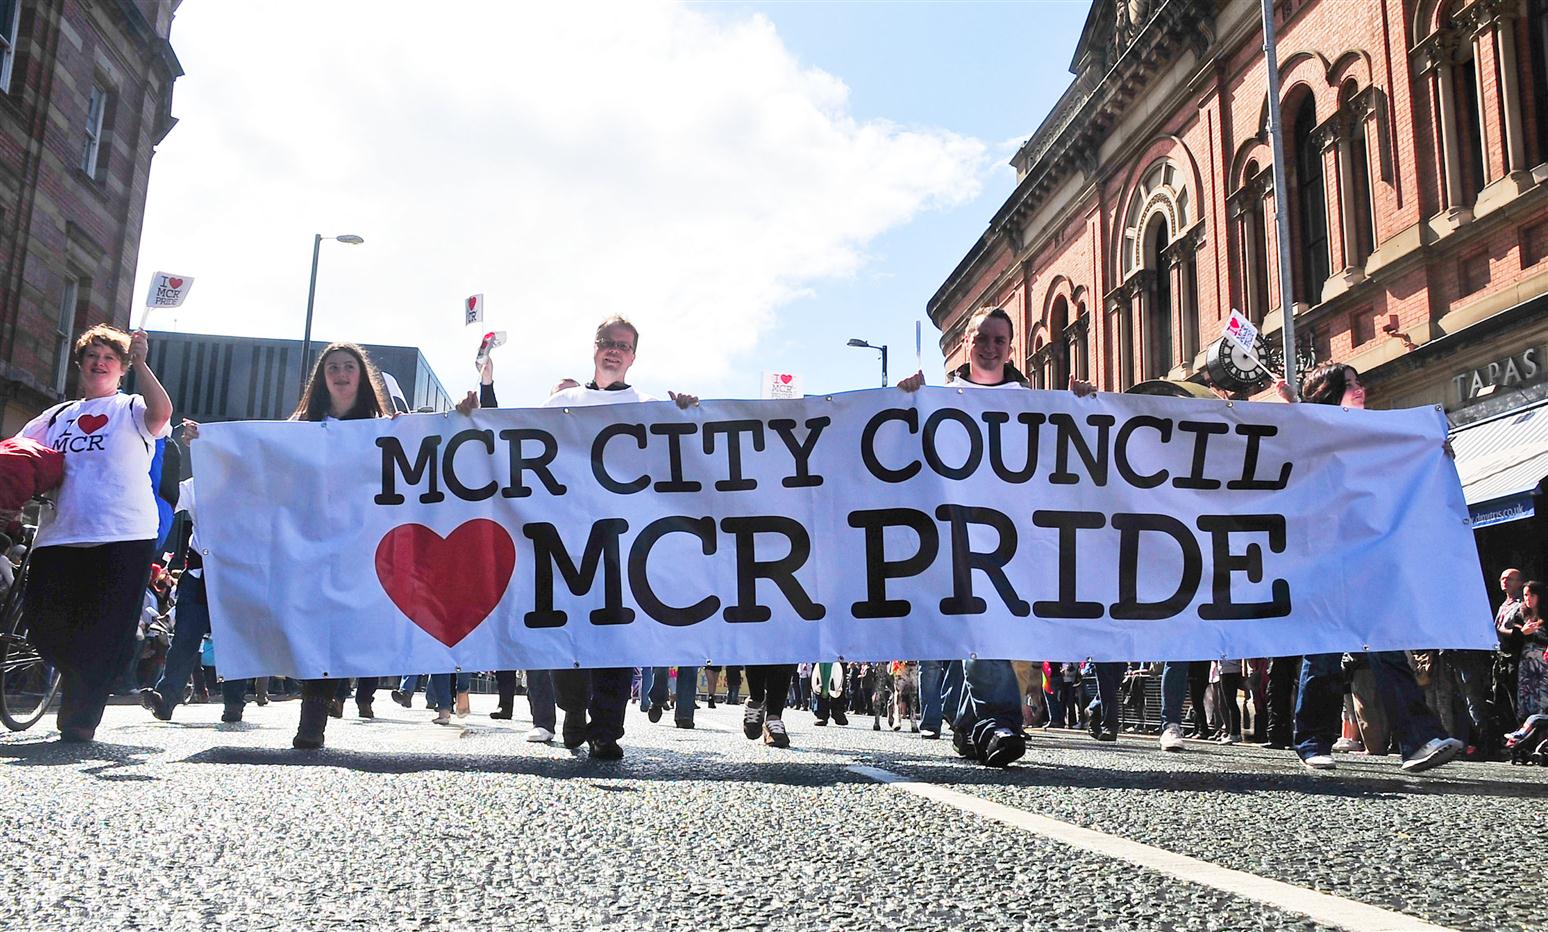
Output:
x=403 y=824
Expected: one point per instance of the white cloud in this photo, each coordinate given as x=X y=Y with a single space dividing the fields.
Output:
x=568 y=160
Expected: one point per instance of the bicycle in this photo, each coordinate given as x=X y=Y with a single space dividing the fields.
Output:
x=27 y=682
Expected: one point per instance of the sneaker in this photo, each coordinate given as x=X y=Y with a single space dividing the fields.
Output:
x=962 y=743
x=752 y=720
x=1230 y=739
x=654 y=714
x=402 y=698
x=930 y=733
x=839 y=718
x=1105 y=735
x=540 y=735
x=505 y=714
x=820 y=722
x=1436 y=751
x=443 y=717
x=232 y=713
x=1172 y=738
x=365 y=710
x=774 y=734
x=606 y=750
x=336 y=708
x=1318 y=761
x=1348 y=746
x=1005 y=747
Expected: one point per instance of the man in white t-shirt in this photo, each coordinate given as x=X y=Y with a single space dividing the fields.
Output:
x=594 y=700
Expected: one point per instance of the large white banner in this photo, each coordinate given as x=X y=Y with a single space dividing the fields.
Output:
x=868 y=525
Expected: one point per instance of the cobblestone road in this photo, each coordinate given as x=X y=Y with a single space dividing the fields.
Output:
x=400 y=823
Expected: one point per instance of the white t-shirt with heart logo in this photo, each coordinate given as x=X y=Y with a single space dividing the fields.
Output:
x=106 y=495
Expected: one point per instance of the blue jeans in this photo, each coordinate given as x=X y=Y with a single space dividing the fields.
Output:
x=687 y=690
x=1108 y=676
x=440 y=691
x=1319 y=710
x=647 y=680
x=932 y=678
x=984 y=695
x=540 y=699
x=1174 y=689
x=192 y=624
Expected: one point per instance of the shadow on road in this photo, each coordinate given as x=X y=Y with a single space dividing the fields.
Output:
x=113 y=757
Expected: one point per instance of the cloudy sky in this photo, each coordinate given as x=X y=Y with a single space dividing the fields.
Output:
x=752 y=184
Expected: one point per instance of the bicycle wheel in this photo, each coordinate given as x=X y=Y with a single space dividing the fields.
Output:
x=27 y=683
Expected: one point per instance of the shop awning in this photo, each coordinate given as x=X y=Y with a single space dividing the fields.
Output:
x=1501 y=461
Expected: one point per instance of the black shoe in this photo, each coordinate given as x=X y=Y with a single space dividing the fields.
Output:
x=774 y=734
x=712 y=702
x=402 y=698
x=232 y=713
x=655 y=713
x=962 y=743
x=501 y=713
x=606 y=750
x=839 y=718
x=365 y=710
x=752 y=721
x=336 y=708
x=1005 y=747
x=1106 y=736
x=683 y=723
x=574 y=729
x=820 y=722
x=152 y=700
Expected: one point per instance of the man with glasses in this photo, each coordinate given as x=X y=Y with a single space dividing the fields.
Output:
x=594 y=700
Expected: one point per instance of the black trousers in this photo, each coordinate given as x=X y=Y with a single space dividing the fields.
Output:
x=83 y=608
x=1284 y=673
x=769 y=685
x=365 y=689
x=602 y=693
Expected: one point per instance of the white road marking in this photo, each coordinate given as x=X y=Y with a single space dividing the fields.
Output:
x=1323 y=907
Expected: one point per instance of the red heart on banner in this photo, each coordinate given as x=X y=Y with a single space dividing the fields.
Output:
x=784 y=377
x=472 y=303
x=174 y=283
x=446 y=586
x=91 y=423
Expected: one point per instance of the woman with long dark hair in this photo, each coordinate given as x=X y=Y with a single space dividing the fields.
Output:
x=1319 y=709
x=344 y=386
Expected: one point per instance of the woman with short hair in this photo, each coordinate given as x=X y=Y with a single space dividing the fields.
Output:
x=93 y=551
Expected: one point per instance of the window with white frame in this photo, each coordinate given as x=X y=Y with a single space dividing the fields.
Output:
x=10 y=25
x=96 y=112
x=68 y=304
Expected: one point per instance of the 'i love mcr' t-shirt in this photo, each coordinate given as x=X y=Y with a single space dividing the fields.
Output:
x=106 y=495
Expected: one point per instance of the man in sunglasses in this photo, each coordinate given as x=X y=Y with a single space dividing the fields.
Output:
x=603 y=694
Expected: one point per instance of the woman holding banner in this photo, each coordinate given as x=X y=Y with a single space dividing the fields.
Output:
x=94 y=550
x=1319 y=708
x=344 y=386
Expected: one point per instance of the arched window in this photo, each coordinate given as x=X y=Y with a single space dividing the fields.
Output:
x=1255 y=265
x=1310 y=202
x=1469 y=123
x=1158 y=318
x=1059 y=357
x=1359 y=229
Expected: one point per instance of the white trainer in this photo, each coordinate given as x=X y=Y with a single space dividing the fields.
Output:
x=1436 y=751
x=1319 y=762
x=540 y=735
x=1172 y=738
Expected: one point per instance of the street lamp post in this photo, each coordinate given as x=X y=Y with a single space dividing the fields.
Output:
x=882 y=349
x=311 y=294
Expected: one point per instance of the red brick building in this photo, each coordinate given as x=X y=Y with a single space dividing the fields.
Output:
x=1416 y=143
x=85 y=95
